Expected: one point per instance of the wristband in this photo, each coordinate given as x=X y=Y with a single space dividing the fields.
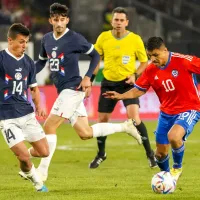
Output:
x=92 y=77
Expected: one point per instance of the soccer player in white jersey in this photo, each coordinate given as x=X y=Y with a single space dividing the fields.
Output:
x=17 y=117
x=62 y=48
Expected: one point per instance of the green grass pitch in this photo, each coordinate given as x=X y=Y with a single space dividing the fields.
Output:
x=125 y=175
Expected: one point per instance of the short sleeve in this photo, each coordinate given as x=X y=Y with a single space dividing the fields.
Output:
x=140 y=50
x=192 y=63
x=143 y=83
x=43 y=54
x=83 y=45
x=32 y=76
x=98 y=45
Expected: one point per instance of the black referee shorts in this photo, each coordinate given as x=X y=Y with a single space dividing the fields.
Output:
x=108 y=105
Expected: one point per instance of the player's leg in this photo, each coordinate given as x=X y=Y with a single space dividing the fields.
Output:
x=132 y=106
x=101 y=143
x=35 y=135
x=105 y=108
x=63 y=108
x=182 y=128
x=80 y=124
x=27 y=167
x=50 y=127
x=165 y=123
x=14 y=138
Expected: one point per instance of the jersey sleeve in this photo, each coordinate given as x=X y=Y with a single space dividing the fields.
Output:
x=83 y=45
x=143 y=83
x=192 y=63
x=43 y=54
x=98 y=45
x=32 y=76
x=140 y=50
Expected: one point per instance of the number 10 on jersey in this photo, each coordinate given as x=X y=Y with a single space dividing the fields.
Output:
x=168 y=85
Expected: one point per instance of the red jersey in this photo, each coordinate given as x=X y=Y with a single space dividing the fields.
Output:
x=174 y=84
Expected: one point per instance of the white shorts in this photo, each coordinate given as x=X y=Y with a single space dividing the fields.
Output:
x=22 y=128
x=69 y=105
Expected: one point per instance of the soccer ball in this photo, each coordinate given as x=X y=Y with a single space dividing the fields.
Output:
x=163 y=183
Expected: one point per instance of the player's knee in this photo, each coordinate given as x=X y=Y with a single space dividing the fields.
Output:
x=84 y=136
x=173 y=140
x=49 y=128
x=44 y=153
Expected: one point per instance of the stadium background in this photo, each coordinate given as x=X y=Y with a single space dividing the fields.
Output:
x=177 y=21
x=125 y=175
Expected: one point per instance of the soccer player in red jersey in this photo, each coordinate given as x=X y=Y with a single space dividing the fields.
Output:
x=171 y=75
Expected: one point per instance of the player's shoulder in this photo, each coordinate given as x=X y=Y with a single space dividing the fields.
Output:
x=134 y=36
x=1 y=55
x=28 y=59
x=181 y=57
x=151 y=68
x=48 y=35
x=105 y=34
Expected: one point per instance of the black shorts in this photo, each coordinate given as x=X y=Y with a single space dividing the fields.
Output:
x=108 y=105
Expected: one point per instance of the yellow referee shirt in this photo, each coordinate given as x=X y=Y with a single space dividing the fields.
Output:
x=120 y=54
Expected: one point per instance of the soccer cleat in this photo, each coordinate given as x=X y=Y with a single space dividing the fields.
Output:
x=23 y=175
x=130 y=128
x=176 y=173
x=152 y=160
x=97 y=161
x=42 y=176
x=43 y=189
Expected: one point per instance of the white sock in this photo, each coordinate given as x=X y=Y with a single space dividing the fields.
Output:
x=45 y=162
x=104 y=129
x=34 y=178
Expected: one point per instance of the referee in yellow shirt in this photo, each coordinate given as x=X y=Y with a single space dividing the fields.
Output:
x=119 y=49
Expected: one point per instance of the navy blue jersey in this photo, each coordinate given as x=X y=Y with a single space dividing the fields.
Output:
x=16 y=75
x=63 y=55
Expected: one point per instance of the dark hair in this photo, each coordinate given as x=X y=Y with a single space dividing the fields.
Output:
x=120 y=10
x=154 y=43
x=59 y=9
x=18 y=28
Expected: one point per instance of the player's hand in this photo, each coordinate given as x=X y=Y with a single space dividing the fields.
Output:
x=88 y=92
x=112 y=95
x=40 y=112
x=85 y=83
x=131 y=79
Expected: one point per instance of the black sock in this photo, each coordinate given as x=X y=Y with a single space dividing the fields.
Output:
x=101 y=142
x=143 y=131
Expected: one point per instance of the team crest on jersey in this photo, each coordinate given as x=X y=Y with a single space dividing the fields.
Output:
x=174 y=73
x=18 y=76
x=53 y=54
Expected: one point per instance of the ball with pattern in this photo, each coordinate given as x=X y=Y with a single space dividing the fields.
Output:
x=163 y=183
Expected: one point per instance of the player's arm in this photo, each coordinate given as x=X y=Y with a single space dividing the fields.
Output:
x=133 y=93
x=35 y=93
x=99 y=49
x=96 y=69
x=142 y=57
x=94 y=63
x=41 y=62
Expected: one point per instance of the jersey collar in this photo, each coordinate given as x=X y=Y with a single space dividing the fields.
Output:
x=61 y=35
x=169 y=59
x=9 y=53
